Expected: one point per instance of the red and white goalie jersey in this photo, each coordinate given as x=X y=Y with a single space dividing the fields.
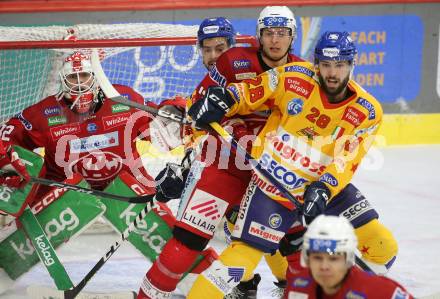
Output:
x=97 y=146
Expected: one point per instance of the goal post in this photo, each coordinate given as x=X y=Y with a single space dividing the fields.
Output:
x=159 y=61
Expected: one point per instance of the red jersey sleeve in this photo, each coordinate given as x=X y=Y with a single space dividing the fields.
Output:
x=23 y=129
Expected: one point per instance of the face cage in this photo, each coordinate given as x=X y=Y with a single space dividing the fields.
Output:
x=78 y=88
x=81 y=93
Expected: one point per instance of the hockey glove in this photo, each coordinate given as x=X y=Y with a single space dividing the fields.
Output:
x=292 y=241
x=212 y=107
x=172 y=110
x=166 y=130
x=170 y=182
x=316 y=197
x=11 y=163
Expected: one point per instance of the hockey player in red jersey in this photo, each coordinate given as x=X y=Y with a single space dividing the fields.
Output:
x=193 y=231
x=85 y=133
x=82 y=131
x=328 y=254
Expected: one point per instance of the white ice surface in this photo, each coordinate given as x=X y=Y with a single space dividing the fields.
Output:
x=404 y=187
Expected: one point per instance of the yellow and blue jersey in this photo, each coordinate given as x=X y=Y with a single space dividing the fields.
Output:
x=307 y=138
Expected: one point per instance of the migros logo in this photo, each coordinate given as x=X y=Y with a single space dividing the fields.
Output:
x=265 y=232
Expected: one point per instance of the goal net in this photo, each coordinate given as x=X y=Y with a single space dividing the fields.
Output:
x=160 y=61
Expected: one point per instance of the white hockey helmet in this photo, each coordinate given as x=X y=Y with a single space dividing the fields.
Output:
x=276 y=16
x=329 y=234
x=78 y=82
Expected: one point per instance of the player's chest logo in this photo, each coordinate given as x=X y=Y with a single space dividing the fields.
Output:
x=94 y=142
x=113 y=121
x=60 y=131
x=97 y=166
x=299 y=86
x=241 y=64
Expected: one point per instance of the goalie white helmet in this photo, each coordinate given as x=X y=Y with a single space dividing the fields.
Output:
x=330 y=234
x=78 y=83
x=276 y=16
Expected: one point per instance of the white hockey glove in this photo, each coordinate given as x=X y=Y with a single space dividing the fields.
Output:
x=167 y=133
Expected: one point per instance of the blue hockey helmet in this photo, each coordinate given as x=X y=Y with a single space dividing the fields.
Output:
x=216 y=27
x=334 y=45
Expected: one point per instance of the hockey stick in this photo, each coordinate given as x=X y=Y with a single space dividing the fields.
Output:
x=114 y=95
x=254 y=163
x=111 y=92
x=227 y=137
x=257 y=167
x=73 y=292
x=42 y=292
x=152 y=110
x=46 y=182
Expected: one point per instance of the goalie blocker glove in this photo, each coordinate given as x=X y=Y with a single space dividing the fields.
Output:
x=212 y=107
x=170 y=182
x=316 y=196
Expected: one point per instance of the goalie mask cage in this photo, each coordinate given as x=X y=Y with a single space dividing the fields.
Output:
x=159 y=61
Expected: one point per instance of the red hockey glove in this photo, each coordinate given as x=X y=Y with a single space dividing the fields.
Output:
x=10 y=162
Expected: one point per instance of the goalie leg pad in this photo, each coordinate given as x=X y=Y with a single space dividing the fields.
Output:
x=153 y=232
x=62 y=214
x=169 y=267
